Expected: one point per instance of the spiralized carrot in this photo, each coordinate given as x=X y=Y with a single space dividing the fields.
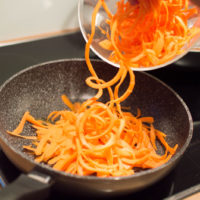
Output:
x=95 y=138
x=97 y=141
x=149 y=33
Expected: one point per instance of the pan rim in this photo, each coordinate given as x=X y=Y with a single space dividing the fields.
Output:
x=94 y=178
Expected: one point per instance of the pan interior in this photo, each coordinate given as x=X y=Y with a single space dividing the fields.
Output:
x=38 y=90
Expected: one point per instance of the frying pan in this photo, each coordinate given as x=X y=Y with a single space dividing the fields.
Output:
x=39 y=88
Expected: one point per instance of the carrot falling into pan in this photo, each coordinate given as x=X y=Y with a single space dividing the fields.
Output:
x=95 y=138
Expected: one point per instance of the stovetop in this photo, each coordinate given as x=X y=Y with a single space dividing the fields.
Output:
x=183 y=77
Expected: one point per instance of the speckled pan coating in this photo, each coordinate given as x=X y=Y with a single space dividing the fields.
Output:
x=38 y=89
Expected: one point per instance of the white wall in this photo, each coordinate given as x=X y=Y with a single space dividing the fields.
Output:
x=31 y=18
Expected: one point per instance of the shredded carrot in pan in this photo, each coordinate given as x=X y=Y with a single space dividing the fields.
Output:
x=95 y=138
x=149 y=33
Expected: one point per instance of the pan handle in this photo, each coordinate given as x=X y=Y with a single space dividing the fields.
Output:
x=32 y=186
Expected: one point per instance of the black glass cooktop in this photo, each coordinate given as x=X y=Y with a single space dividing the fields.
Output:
x=183 y=77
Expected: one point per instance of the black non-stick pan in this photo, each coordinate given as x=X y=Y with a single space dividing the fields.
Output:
x=39 y=88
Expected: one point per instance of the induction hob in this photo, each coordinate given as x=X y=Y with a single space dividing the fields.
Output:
x=183 y=77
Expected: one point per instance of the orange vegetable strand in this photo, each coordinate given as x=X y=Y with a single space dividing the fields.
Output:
x=100 y=138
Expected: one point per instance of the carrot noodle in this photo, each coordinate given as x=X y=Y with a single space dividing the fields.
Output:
x=149 y=33
x=95 y=138
x=96 y=141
